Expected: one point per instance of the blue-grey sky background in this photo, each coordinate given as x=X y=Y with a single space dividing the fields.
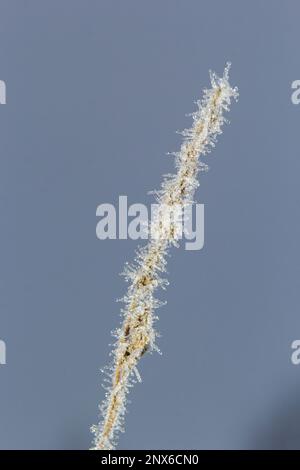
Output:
x=95 y=91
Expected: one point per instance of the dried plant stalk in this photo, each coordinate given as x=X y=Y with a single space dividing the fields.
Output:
x=137 y=334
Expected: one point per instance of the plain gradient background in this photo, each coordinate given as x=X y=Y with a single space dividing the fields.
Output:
x=95 y=91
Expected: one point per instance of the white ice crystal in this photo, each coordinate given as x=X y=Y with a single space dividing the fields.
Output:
x=137 y=334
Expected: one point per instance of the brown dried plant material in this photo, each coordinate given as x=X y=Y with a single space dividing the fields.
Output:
x=136 y=336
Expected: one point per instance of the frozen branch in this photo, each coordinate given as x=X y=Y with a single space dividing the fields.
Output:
x=137 y=334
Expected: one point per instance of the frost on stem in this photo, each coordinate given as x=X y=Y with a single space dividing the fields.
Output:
x=137 y=335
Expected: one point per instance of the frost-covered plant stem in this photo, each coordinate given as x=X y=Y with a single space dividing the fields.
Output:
x=137 y=334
